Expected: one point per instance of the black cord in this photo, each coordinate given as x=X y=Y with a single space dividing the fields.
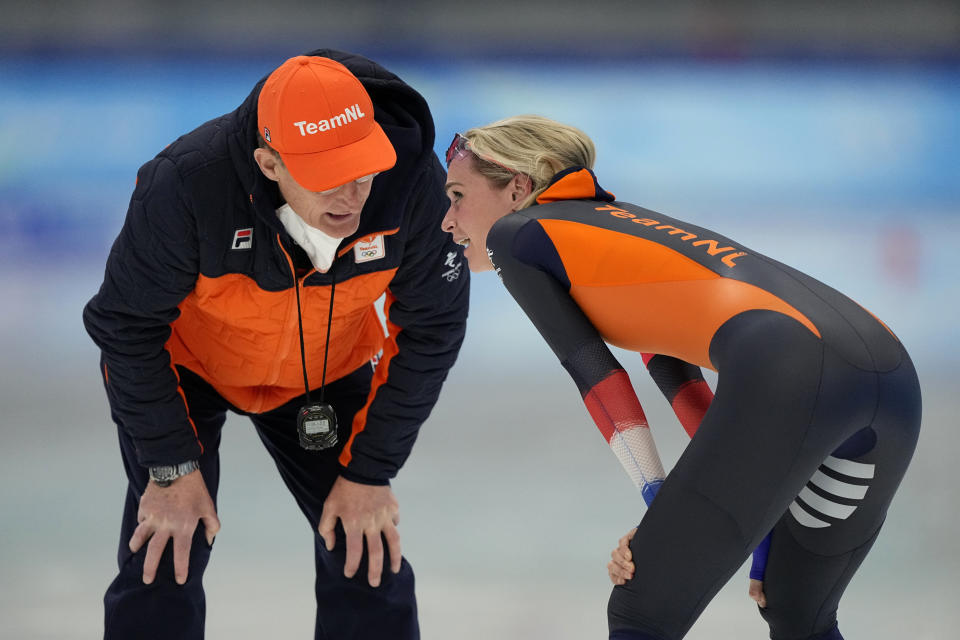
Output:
x=326 y=348
x=303 y=356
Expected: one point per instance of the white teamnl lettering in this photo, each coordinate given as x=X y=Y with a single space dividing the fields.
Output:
x=349 y=115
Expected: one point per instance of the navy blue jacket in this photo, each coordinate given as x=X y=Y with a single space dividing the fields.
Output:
x=202 y=276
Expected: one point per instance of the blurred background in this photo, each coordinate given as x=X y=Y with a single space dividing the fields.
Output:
x=823 y=134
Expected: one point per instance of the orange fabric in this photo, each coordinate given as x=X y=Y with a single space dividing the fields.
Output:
x=709 y=246
x=573 y=186
x=319 y=118
x=600 y=257
x=245 y=342
x=674 y=318
x=379 y=377
x=663 y=303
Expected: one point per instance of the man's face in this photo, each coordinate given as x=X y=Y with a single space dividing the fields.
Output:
x=336 y=211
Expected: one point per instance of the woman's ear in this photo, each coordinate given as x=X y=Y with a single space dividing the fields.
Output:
x=522 y=187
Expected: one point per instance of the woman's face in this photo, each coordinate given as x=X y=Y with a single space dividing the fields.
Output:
x=475 y=204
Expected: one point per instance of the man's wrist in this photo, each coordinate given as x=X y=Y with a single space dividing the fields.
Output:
x=164 y=475
x=346 y=474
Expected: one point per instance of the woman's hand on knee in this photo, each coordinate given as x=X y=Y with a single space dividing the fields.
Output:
x=756 y=593
x=620 y=568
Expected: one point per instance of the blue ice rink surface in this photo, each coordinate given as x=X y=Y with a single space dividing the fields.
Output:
x=511 y=500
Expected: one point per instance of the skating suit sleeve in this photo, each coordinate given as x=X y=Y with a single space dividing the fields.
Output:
x=684 y=387
x=532 y=271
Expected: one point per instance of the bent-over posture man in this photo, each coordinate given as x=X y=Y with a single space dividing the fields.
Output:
x=244 y=279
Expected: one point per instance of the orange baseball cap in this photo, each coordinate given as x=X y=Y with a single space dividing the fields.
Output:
x=319 y=118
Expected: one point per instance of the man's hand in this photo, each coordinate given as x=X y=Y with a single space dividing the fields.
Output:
x=366 y=511
x=620 y=568
x=173 y=512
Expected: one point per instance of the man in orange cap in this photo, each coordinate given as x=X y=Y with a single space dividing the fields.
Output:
x=244 y=279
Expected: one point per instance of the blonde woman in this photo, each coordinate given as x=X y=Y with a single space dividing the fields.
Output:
x=817 y=407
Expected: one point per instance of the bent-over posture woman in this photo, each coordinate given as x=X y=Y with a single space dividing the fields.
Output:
x=817 y=406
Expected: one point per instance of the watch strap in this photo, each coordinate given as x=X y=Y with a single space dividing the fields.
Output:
x=164 y=475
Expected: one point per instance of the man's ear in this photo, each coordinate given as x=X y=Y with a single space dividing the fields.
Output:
x=268 y=162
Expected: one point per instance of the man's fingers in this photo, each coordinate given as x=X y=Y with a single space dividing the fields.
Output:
x=140 y=535
x=211 y=524
x=181 y=556
x=374 y=558
x=152 y=560
x=326 y=530
x=393 y=547
x=354 y=553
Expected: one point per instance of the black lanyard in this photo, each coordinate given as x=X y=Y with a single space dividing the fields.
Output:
x=316 y=422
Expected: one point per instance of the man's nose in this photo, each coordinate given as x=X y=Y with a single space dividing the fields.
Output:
x=352 y=195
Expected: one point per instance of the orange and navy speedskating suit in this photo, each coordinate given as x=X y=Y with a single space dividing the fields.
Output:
x=815 y=418
x=198 y=316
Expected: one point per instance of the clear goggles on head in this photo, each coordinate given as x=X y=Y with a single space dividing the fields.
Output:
x=460 y=145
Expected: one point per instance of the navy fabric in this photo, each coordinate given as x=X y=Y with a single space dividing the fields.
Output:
x=699 y=530
x=532 y=241
x=830 y=634
x=165 y=610
x=672 y=374
x=626 y=634
x=187 y=205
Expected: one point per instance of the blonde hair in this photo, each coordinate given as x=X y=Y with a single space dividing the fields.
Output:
x=529 y=144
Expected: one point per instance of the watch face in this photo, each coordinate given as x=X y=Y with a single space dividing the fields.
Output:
x=162 y=473
x=165 y=474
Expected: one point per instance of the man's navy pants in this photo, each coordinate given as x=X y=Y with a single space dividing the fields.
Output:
x=346 y=608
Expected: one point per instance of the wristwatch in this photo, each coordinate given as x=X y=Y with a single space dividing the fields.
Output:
x=164 y=475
